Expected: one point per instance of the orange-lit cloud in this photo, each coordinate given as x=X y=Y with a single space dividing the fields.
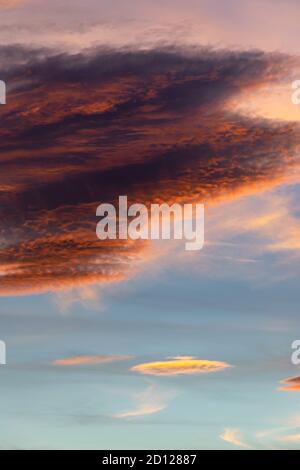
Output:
x=181 y=365
x=291 y=384
x=88 y=360
x=158 y=126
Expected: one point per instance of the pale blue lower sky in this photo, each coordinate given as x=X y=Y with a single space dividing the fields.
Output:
x=246 y=323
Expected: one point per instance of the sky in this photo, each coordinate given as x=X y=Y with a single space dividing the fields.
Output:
x=130 y=344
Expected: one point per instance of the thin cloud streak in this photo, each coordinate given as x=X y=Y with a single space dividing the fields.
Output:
x=232 y=436
x=89 y=360
x=292 y=438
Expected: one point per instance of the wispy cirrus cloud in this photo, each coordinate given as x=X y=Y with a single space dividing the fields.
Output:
x=180 y=365
x=150 y=401
x=232 y=436
x=291 y=439
x=284 y=436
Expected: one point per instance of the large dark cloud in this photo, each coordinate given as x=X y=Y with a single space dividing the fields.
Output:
x=156 y=125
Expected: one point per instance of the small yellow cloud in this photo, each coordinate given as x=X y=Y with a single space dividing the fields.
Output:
x=187 y=365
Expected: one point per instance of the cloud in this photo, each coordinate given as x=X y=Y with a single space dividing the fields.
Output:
x=180 y=365
x=157 y=125
x=292 y=438
x=148 y=402
x=286 y=435
x=232 y=435
x=88 y=360
x=256 y=236
x=87 y=295
x=11 y=3
x=291 y=384
x=77 y=25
